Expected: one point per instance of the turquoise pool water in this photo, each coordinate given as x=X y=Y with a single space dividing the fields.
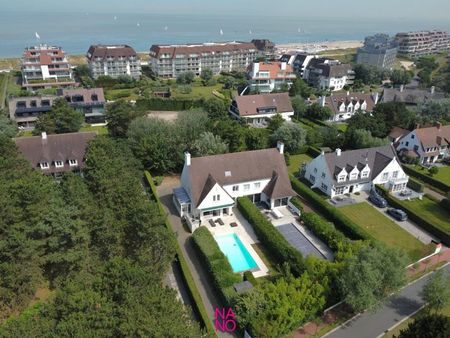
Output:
x=238 y=256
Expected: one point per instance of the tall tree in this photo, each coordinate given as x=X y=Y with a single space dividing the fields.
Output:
x=119 y=116
x=209 y=144
x=60 y=119
x=217 y=109
x=292 y=135
x=437 y=291
x=430 y=326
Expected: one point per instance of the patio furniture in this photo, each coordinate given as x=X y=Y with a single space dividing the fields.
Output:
x=233 y=224
x=212 y=223
x=406 y=193
x=219 y=220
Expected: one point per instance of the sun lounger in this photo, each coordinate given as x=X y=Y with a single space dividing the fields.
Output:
x=219 y=220
x=213 y=224
x=233 y=224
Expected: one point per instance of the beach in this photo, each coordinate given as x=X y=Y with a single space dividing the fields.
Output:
x=315 y=47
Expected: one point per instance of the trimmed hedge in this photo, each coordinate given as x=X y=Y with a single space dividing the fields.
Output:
x=157 y=103
x=197 y=302
x=219 y=268
x=335 y=239
x=415 y=216
x=427 y=179
x=273 y=241
x=297 y=203
x=314 y=151
x=248 y=276
x=415 y=185
x=445 y=203
x=342 y=222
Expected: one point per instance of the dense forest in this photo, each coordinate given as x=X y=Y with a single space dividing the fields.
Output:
x=95 y=243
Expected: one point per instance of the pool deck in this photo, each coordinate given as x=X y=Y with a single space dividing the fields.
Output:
x=245 y=232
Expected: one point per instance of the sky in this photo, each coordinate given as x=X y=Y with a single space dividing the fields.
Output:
x=438 y=9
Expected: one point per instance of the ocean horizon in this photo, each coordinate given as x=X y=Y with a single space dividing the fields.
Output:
x=75 y=32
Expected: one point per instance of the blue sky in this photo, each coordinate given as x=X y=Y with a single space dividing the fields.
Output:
x=416 y=9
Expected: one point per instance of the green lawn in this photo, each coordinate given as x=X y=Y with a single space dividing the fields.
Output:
x=295 y=161
x=432 y=212
x=385 y=230
x=116 y=94
x=342 y=127
x=443 y=175
x=198 y=91
x=101 y=130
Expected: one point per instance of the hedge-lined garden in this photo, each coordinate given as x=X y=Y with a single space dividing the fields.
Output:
x=417 y=211
x=426 y=178
x=197 y=301
x=167 y=104
x=219 y=268
x=415 y=185
x=342 y=222
x=269 y=236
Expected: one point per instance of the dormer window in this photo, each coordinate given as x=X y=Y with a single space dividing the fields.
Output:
x=59 y=164
x=353 y=176
x=73 y=163
x=364 y=174
x=341 y=178
x=44 y=165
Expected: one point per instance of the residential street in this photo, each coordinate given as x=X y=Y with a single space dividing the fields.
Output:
x=398 y=307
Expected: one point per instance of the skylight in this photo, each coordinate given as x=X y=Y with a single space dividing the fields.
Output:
x=227 y=173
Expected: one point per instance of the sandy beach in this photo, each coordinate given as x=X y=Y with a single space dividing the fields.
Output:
x=315 y=47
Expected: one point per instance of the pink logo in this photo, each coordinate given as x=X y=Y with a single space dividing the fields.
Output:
x=225 y=320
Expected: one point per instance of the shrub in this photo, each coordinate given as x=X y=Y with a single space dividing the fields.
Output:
x=415 y=216
x=415 y=185
x=274 y=242
x=433 y=171
x=248 y=276
x=347 y=226
x=219 y=268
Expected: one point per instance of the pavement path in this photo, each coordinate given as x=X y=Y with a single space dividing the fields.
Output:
x=433 y=193
x=397 y=308
x=200 y=275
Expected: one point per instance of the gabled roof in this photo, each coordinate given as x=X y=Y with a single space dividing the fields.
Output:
x=411 y=95
x=376 y=158
x=236 y=168
x=337 y=99
x=398 y=132
x=115 y=51
x=278 y=188
x=434 y=136
x=249 y=104
x=58 y=147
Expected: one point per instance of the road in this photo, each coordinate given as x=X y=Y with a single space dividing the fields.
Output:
x=398 y=307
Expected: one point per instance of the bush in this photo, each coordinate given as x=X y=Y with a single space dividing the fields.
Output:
x=347 y=226
x=314 y=152
x=157 y=103
x=445 y=203
x=248 y=276
x=433 y=171
x=273 y=241
x=426 y=178
x=415 y=216
x=326 y=231
x=219 y=268
x=415 y=185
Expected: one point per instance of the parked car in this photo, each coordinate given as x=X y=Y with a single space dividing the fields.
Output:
x=376 y=199
x=398 y=214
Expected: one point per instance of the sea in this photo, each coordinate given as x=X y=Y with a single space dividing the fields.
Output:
x=75 y=32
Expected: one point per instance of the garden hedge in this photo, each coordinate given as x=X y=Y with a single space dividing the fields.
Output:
x=415 y=216
x=157 y=103
x=314 y=151
x=426 y=178
x=273 y=241
x=297 y=203
x=342 y=222
x=248 y=276
x=197 y=302
x=415 y=185
x=219 y=268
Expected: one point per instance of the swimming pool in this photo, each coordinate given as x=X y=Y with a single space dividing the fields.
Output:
x=238 y=256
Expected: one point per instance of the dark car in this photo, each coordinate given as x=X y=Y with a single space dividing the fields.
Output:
x=377 y=200
x=398 y=214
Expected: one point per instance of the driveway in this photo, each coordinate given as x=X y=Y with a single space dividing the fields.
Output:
x=199 y=274
x=391 y=313
x=408 y=225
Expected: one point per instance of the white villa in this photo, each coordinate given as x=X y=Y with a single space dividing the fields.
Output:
x=343 y=172
x=255 y=110
x=428 y=144
x=211 y=184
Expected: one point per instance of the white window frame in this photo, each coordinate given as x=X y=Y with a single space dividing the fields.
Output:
x=354 y=176
x=395 y=174
x=385 y=176
x=44 y=165
x=246 y=187
x=257 y=185
x=73 y=163
x=59 y=164
x=364 y=174
x=341 y=178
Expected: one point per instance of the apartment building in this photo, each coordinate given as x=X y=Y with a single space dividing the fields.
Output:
x=266 y=48
x=416 y=44
x=45 y=66
x=298 y=61
x=265 y=77
x=379 y=50
x=169 y=61
x=328 y=74
x=113 y=61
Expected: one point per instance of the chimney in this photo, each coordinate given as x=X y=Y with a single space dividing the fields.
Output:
x=283 y=66
x=322 y=101
x=438 y=125
x=402 y=88
x=322 y=153
x=187 y=159
x=280 y=147
x=348 y=93
x=432 y=89
x=375 y=97
x=44 y=135
x=338 y=151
